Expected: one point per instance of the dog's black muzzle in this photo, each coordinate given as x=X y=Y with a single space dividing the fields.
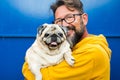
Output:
x=54 y=38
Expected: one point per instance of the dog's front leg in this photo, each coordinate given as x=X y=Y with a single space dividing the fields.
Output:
x=69 y=58
x=35 y=69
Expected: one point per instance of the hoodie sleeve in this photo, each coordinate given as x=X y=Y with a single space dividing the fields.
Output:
x=27 y=73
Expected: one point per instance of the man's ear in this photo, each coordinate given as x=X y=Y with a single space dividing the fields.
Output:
x=85 y=18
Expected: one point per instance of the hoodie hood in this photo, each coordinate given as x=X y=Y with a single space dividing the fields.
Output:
x=95 y=40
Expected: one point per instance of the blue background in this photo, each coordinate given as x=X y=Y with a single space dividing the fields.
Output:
x=19 y=20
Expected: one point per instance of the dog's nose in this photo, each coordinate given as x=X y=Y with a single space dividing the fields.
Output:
x=54 y=38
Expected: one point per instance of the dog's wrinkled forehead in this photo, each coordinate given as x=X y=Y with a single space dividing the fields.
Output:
x=51 y=27
x=54 y=28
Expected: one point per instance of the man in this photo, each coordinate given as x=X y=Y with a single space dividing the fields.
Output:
x=91 y=52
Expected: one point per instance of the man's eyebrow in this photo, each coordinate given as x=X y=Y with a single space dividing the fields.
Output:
x=59 y=18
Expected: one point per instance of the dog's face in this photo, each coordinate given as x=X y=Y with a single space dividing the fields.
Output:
x=51 y=35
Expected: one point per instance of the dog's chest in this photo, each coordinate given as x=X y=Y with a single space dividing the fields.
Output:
x=54 y=59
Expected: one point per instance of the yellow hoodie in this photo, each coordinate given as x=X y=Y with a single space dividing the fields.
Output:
x=92 y=62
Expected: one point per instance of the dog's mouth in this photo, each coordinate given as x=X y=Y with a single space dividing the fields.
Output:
x=53 y=45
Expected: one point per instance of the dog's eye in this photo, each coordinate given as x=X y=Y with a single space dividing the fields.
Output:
x=60 y=34
x=46 y=35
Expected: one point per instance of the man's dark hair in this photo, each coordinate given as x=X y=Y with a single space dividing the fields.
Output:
x=70 y=4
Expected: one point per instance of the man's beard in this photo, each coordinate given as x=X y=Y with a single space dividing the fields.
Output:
x=73 y=40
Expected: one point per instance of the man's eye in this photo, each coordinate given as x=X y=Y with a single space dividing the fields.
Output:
x=57 y=21
x=69 y=17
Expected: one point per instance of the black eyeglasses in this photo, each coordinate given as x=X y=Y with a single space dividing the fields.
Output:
x=68 y=19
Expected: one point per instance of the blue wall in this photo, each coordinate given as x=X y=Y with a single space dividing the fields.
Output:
x=20 y=18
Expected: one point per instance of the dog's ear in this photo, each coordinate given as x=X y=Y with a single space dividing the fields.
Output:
x=41 y=28
x=64 y=29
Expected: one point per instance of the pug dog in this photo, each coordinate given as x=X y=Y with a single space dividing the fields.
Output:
x=49 y=48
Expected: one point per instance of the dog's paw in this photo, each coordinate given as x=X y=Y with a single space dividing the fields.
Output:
x=71 y=61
